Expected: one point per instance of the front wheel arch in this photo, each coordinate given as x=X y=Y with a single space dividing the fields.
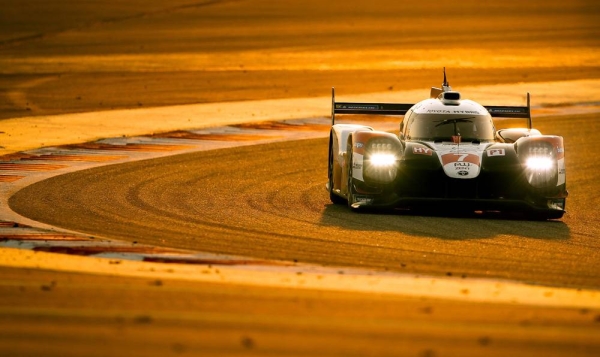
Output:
x=350 y=180
x=334 y=198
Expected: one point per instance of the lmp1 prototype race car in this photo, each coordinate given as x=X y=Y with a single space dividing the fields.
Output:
x=446 y=155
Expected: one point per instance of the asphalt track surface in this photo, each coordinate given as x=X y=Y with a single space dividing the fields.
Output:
x=268 y=201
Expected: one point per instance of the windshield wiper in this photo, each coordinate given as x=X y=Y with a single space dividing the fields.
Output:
x=454 y=121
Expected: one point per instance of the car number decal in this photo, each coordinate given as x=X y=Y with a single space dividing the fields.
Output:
x=461 y=165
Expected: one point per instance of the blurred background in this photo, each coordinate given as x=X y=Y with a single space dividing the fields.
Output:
x=66 y=56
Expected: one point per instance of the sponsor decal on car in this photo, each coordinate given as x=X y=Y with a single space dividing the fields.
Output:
x=363 y=199
x=562 y=172
x=422 y=150
x=358 y=106
x=357 y=166
x=496 y=152
x=359 y=145
x=448 y=111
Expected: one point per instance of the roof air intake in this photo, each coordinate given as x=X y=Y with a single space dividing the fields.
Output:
x=451 y=98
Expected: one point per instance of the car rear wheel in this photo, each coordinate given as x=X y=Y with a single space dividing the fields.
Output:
x=350 y=178
x=335 y=199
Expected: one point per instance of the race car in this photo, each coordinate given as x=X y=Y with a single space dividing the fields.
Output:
x=447 y=154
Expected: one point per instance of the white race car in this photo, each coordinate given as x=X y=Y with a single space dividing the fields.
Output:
x=447 y=154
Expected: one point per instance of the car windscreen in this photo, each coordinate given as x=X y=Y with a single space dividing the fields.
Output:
x=442 y=127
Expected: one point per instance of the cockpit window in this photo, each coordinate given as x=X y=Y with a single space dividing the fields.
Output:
x=436 y=127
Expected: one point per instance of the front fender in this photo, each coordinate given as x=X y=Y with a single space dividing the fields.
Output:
x=338 y=141
x=340 y=134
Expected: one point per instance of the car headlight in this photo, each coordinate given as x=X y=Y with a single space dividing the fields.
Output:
x=381 y=161
x=540 y=163
x=537 y=163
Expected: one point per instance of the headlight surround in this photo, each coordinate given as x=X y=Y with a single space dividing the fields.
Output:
x=381 y=161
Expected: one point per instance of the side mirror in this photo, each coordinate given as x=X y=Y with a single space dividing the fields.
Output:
x=513 y=134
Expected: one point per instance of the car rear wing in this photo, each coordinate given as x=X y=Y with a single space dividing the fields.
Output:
x=366 y=108
x=512 y=112
x=402 y=108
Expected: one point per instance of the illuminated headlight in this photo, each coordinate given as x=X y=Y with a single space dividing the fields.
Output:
x=381 y=163
x=383 y=160
x=538 y=163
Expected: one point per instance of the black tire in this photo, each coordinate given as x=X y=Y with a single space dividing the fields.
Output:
x=350 y=179
x=335 y=199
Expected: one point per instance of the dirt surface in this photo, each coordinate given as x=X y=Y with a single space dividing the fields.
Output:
x=64 y=57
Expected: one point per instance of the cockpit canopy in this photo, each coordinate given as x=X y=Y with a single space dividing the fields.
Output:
x=432 y=121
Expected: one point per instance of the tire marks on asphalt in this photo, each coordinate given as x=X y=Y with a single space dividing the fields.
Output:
x=24 y=168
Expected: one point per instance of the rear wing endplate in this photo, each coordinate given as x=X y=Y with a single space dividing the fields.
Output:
x=366 y=108
x=512 y=112
x=402 y=108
